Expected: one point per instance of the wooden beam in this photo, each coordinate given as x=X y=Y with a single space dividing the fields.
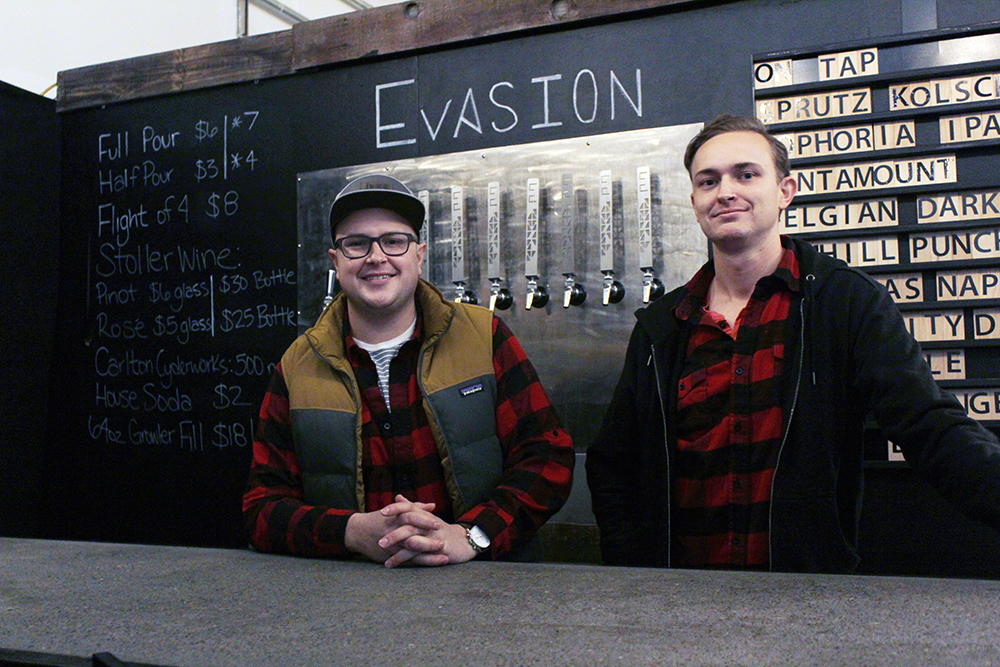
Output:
x=379 y=31
x=422 y=24
x=216 y=64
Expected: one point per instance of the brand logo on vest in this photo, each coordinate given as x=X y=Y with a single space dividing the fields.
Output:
x=471 y=389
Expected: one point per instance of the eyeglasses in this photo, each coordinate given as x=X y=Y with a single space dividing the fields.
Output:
x=392 y=244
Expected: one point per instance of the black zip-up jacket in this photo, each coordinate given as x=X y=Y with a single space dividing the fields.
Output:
x=847 y=355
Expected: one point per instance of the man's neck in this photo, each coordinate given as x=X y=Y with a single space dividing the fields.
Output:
x=737 y=273
x=379 y=326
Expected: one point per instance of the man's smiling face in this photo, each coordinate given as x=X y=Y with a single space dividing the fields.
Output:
x=736 y=191
x=378 y=285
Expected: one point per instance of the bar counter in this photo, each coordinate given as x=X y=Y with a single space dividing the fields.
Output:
x=182 y=606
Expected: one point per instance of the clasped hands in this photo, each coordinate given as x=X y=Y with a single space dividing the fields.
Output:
x=407 y=533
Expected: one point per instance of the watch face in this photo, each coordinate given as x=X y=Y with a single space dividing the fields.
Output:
x=479 y=537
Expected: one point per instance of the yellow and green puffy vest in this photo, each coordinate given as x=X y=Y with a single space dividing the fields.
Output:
x=455 y=376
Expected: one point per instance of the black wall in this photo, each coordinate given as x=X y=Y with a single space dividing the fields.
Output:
x=694 y=64
x=29 y=216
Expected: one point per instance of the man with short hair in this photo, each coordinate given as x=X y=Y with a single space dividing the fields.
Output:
x=734 y=437
x=402 y=427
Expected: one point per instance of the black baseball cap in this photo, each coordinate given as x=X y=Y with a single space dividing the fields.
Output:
x=376 y=191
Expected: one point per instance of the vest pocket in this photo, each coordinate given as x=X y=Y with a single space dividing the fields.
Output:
x=327 y=448
x=466 y=416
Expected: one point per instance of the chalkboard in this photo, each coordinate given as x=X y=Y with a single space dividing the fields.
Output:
x=179 y=294
x=179 y=266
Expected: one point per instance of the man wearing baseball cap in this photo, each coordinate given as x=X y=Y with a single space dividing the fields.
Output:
x=402 y=427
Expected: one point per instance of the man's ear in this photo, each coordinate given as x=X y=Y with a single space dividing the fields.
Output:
x=788 y=187
x=421 y=251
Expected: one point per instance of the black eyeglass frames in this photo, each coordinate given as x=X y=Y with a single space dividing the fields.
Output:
x=357 y=246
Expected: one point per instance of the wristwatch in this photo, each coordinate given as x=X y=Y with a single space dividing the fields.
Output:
x=478 y=540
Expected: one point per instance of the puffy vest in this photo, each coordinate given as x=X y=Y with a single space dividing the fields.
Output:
x=455 y=376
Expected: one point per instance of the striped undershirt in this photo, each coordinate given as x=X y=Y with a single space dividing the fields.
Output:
x=382 y=355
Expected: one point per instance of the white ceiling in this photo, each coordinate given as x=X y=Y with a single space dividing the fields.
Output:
x=40 y=38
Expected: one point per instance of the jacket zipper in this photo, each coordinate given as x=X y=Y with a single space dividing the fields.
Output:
x=666 y=447
x=788 y=428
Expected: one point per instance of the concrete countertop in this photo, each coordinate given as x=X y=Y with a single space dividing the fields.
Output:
x=183 y=606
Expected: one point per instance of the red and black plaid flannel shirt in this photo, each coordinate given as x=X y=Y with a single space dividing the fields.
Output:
x=399 y=456
x=730 y=424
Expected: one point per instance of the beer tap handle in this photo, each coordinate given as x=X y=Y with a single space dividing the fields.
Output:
x=613 y=291
x=500 y=297
x=574 y=294
x=652 y=287
x=537 y=295
x=331 y=281
x=463 y=294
